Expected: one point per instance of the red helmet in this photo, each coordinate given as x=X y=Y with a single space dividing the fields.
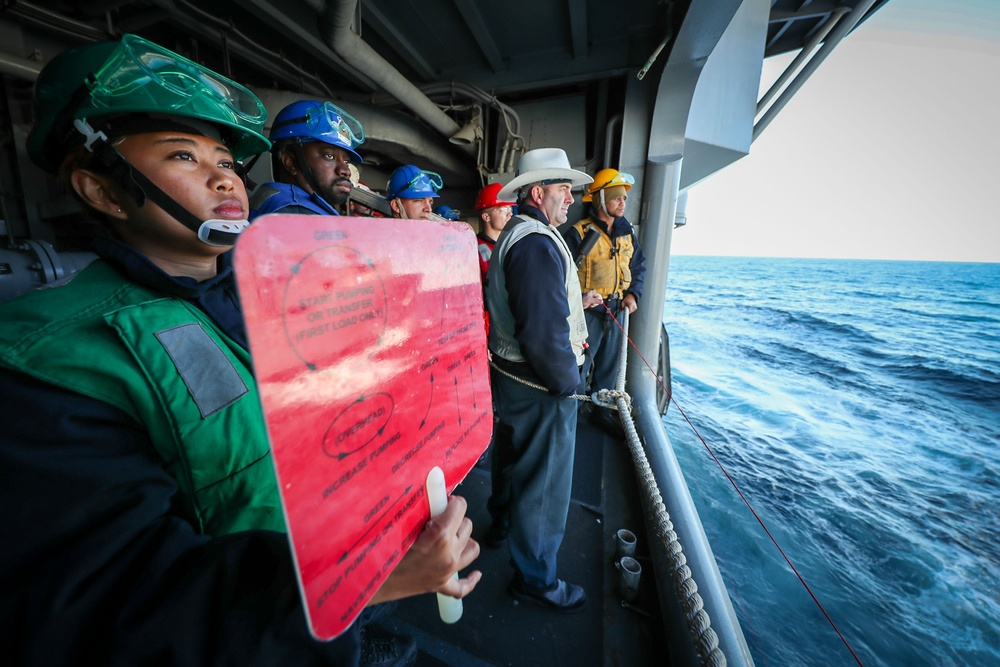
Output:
x=488 y=197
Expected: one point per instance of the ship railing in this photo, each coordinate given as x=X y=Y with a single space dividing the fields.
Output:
x=698 y=616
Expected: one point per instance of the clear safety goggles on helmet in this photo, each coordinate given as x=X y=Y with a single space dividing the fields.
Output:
x=140 y=70
x=328 y=118
x=425 y=181
x=621 y=178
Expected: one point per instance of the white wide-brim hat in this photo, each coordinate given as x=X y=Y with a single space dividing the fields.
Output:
x=543 y=164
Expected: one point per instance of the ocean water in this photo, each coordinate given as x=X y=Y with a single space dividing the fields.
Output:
x=857 y=405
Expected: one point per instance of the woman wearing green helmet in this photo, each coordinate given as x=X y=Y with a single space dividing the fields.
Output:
x=89 y=99
x=149 y=527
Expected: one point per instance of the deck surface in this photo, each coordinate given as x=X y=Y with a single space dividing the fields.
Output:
x=495 y=629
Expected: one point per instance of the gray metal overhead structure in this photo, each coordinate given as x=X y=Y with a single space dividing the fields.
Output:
x=355 y=51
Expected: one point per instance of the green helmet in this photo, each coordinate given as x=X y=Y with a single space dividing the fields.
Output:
x=134 y=86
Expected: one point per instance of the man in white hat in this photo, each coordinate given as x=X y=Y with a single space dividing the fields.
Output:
x=537 y=337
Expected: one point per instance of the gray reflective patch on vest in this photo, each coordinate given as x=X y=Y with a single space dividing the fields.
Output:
x=206 y=370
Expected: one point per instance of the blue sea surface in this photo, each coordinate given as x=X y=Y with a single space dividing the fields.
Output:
x=857 y=405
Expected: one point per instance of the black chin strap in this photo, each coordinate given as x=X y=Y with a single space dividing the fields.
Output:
x=243 y=171
x=304 y=168
x=139 y=187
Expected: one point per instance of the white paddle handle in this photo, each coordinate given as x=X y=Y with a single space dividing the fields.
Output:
x=437 y=496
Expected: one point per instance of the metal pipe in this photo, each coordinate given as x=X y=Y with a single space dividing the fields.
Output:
x=22 y=68
x=207 y=28
x=661 y=192
x=476 y=93
x=609 y=133
x=512 y=120
x=691 y=534
x=337 y=22
x=834 y=18
x=843 y=27
x=502 y=162
x=53 y=21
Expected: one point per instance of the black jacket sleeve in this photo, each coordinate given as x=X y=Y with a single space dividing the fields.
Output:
x=536 y=293
x=572 y=238
x=638 y=268
x=96 y=568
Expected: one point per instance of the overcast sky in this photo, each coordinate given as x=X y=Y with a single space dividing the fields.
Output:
x=889 y=151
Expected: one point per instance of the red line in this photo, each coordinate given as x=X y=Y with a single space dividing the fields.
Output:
x=670 y=397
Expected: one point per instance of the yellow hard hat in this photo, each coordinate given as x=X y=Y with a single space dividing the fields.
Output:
x=606 y=178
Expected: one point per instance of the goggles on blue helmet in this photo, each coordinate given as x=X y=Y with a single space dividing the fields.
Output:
x=315 y=121
x=423 y=184
x=448 y=213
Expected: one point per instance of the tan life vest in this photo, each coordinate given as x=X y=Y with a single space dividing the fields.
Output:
x=606 y=269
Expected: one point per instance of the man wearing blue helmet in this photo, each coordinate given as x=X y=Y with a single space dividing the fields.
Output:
x=447 y=213
x=411 y=192
x=314 y=146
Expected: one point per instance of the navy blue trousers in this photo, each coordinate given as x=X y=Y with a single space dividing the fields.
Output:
x=604 y=339
x=536 y=440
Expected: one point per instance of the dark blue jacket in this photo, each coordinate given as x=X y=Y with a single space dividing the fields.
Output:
x=287 y=198
x=536 y=294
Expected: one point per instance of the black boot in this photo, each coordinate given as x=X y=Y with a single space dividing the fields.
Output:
x=496 y=536
x=379 y=648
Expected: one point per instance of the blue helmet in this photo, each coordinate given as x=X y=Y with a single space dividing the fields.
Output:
x=310 y=120
x=409 y=182
x=448 y=213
